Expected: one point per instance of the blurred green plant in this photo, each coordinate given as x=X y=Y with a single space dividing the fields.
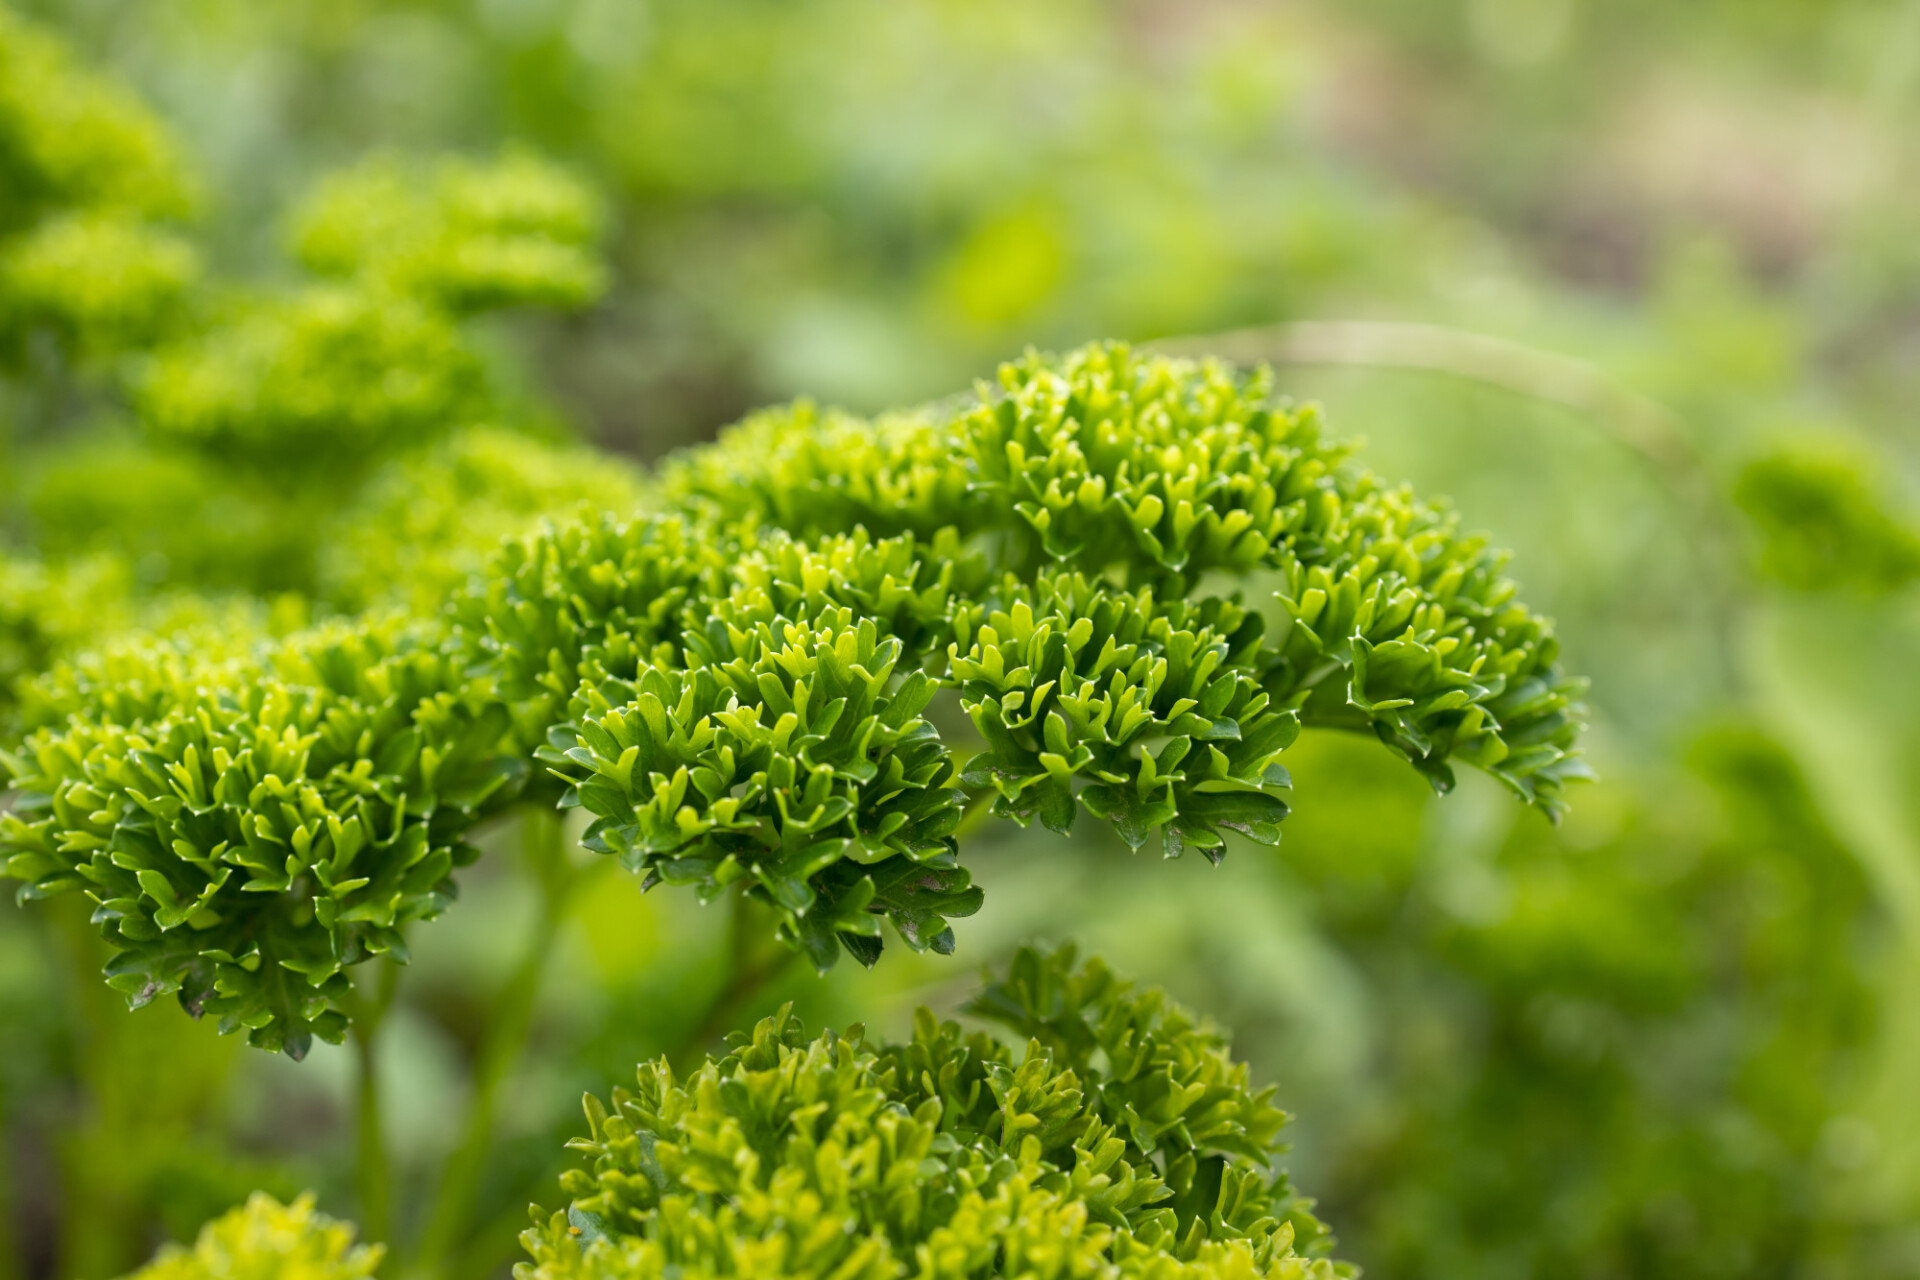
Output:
x=1824 y=523
x=248 y=417
x=1685 y=996
x=466 y=236
x=426 y=521
x=266 y=1240
x=88 y=180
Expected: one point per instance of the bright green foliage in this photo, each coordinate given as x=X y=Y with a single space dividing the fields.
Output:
x=1050 y=558
x=785 y=760
x=1123 y=1141
x=252 y=825
x=1824 y=524
x=426 y=521
x=1602 y=1024
x=465 y=236
x=44 y=612
x=1171 y=476
x=1126 y=675
x=176 y=516
x=84 y=171
x=102 y=282
x=744 y=692
x=266 y=1240
x=325 y=378
x=585 y=601
x=70 y=139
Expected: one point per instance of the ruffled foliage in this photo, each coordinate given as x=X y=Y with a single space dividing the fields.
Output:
x=177 y=517
x=252 y=824
x=71 y=138
x=425 y=522
x=1176 y=477
x=372 y=359
x=266 y=1240
x=102 y=283
x=1071 y=555
x=463 y=235
x=1122 y=1141
x=1137 y=578
x=324 y=378
x=87 y=177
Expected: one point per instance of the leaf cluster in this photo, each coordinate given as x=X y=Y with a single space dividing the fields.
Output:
x=249 y=825
x=1071 y=557
x=1114 y=582
x=464 y=236
x=1123 y=1141
x=425 y=522
x=266 y=1240
x=372 y=358
x=1191 y=480
x=89 y=179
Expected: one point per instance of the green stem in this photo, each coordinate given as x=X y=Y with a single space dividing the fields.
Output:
x=10 y=1256
x=373 y=1171
x=99 y=1207
x=751 y=969
x=449 y=1220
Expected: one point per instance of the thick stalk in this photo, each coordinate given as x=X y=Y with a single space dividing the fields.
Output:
x=448 y=1223
x=10 y=1258
x=99 y=1206
x=373 y=1171
x=752 y=966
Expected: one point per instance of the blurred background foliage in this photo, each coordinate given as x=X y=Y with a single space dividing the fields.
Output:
x=1636 y=283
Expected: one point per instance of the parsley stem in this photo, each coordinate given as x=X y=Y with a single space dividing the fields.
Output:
x=751 y=968
x=543 y=843
x=373 y=1169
